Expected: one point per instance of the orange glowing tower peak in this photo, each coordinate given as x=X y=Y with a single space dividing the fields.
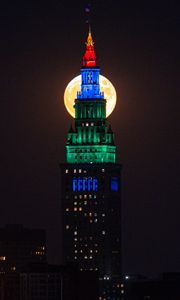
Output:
x=89 y=58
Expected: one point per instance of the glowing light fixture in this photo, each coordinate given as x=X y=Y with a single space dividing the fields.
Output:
x=74 y=86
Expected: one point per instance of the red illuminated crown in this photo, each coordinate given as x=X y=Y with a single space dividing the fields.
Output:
x=89 y=58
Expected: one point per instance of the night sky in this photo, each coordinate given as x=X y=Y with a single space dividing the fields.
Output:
x=138 y=48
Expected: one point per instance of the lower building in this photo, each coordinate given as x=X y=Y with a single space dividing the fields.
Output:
x=92 y=221
x=51 y=282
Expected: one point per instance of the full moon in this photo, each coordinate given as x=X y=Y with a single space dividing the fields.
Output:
x=74 y=86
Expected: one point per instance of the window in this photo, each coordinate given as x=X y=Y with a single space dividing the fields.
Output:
x=114 y=184
x=85 y=184
x=67 y=171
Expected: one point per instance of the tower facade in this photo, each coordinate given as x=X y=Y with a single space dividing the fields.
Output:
x=90 y=184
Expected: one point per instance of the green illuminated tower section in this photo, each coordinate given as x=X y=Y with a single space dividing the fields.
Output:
x=92 y=139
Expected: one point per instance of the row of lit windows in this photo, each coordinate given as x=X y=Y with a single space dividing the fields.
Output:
x=103 y=232
x=81 y=251
x=79 y=209
x=88 y=124
x=86 y=245
x=86 y=239
x=80 y=170
x=39 y=253
x=85 y=196
x=85 y=214
x=85 y=257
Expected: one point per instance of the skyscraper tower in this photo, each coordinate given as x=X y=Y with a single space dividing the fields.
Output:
x=90 y=183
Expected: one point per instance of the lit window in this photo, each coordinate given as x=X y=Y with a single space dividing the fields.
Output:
x=67 y=208
x=90 y=257
x=74 y=170
x=85 y=196
x=67 y=171
x=75 y=239
x=67 y=226
x=91 y=251
x=87 y=124
x=85 y=202
x=75 y=251
x=114 y=184
x=80 y=196
x=103 y=215
x=95 y=220
x=75 y=232
x=75 y=203
x=80 y=208
x=103 y=170
x=103 y=232
x=75 y=208
x=75 y=257
x=92 y=124
x=80 y=170
x=2 y=257
x=85 y=257
x=90 y=214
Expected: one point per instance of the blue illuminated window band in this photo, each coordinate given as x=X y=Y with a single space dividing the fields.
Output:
x=84 y=184
x=114 y=184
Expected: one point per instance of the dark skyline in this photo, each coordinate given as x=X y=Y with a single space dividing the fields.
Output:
x=138 y=50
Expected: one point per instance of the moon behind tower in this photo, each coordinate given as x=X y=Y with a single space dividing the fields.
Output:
x=75 y=85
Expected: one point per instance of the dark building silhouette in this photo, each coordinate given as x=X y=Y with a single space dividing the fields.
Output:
x=26 y=275
x=20 y=246
x=90 y=185
x=164 y=287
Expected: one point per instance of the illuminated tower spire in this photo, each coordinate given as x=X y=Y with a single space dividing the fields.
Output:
x=89 y=58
